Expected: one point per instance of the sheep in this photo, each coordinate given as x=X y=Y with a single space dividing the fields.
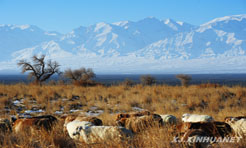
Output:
x=85 y=131
x=196 y=118
x=45 y=122
x=138 y=124
x=94 y=120
x=169 y=119
x=133 y=114
x=239 y=126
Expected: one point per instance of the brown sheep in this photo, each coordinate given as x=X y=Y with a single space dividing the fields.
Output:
x=213 y=129
x=133 y=114
x=138 y=124
x=45 y=122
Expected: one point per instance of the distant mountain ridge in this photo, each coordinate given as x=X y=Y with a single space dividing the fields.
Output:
x=148 y=45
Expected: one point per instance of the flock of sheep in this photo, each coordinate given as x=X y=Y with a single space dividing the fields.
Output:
x=91 y=129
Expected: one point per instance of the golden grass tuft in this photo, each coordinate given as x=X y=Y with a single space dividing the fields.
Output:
x=215 y=100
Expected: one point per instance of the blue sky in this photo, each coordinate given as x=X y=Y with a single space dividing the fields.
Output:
x=65 y=15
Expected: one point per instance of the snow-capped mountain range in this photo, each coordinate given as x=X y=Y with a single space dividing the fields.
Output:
x=146 y=46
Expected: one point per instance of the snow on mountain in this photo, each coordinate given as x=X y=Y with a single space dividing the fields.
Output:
x=224 y=21
x=178 y=26
x=148 y=45
x=120 y=37
x=234 y=24
x=121 y=23
x=219 y=37
x=17 y=37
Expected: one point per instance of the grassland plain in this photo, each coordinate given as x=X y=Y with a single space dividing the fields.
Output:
x=58 y=99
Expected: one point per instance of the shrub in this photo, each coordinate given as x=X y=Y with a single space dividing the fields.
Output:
x=185 y=79
x=147 y=80
x=80 y=76
x=128 y=82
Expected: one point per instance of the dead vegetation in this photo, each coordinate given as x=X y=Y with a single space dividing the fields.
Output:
x=40 y=69
x=215 y=100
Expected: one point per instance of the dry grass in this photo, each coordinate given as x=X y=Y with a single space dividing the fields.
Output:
x=217 y=101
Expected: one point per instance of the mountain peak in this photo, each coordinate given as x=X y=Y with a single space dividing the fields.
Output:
x=225 y=22
x=226 y=19
x=102 y=25
x=121 y=23
x=150 y=19
x=167 y=21
x=171 y=23
x=180 y=23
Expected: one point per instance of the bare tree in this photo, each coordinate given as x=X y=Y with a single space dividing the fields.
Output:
x=185 y=79
x=39 y=69
x=80 y=76
x=147 y=80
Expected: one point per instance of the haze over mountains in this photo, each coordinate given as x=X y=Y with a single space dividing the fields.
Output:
x=146 y=46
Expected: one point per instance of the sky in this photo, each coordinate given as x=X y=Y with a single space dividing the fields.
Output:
x=65 y=15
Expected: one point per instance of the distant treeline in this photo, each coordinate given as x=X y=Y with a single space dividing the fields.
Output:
x=169 y=79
